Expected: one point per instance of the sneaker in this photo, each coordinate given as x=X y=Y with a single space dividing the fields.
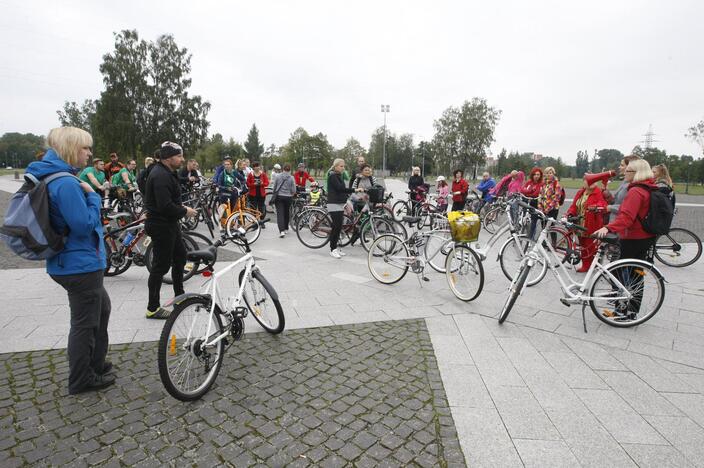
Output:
x=342 y=254
x=335 y=254
x=99 y=382
x=282 y=233
x=159 y=313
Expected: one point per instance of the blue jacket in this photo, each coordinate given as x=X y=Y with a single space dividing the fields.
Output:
x=71 y=208
x=485 y=186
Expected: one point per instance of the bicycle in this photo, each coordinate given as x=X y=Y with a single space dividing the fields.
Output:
x=678 y=248
x=390 y=256
x=197 y=333
x=242 y=216
x=619 y=287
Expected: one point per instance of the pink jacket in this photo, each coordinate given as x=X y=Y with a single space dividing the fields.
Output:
x=516 y=184
x=443 y=193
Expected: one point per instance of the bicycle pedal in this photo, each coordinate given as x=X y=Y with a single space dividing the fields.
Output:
x=565 y=302
x=426 y=279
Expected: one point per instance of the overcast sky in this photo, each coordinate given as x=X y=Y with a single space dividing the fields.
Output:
x=566 y=76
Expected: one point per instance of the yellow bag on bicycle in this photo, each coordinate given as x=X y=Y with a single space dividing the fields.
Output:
x=464 y=226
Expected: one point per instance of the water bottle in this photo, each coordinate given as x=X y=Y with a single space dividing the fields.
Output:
x=128 y=239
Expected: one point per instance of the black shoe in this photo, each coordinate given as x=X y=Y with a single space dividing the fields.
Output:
x=107 y=367
x=99 y=382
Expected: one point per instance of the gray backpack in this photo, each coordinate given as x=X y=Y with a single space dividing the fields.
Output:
x=27 y=230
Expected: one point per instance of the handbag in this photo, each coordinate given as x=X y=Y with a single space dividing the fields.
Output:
x=272 y=200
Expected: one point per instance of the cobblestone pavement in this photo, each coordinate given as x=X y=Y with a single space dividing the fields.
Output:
x=366 y=395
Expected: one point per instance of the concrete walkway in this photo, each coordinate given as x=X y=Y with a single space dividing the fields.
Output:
x=536 y=391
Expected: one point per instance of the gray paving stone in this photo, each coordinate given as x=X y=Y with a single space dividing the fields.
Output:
x=638 y=394
x=656 y=456
x=683 y=434
x=484 y=439
x=659 y=378
x=545 y=453
x=573 y=370
x=688 y=403
x=522 y=414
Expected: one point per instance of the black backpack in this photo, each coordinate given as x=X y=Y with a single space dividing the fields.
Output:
x=659 y=217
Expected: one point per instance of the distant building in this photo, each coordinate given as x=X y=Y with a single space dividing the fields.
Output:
x=536 y=157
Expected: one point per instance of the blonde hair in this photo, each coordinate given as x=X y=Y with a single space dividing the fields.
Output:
x=237 y=164
x=66 y=141
x=664 y=173
x=642 y=168
x=336 y=162
x=148 y=161
x=549 y=168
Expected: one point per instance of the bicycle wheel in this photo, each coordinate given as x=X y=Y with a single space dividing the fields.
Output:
x=190 y=223
x=388 y=259
x=511 y=254
x=186 y=369
x=399 y=209
x=437 y=246
x=373 y=228
x=493 y=219
x=464 y=272
x=348 y=232
x=314 y=228
x=263 y=302
x=116 y=263
x=640 y=279
x=678 y=248
x=189 y=269
x=247 y=221
x=515 y=291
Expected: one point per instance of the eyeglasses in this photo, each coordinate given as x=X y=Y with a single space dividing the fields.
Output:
x=630 y=171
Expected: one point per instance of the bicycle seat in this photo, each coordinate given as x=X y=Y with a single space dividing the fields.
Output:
x=411 y=219
x=207 y=255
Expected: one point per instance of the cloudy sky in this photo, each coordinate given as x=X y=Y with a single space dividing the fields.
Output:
x=566 y=76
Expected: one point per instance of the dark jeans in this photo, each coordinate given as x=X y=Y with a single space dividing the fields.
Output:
x=640 y=249
x=337 y=218
x=258 y=204
x=283 y=211
x=88 y=337
x=168 y=252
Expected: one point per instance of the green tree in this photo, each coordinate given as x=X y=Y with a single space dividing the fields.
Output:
x=19 y=149
x=73 y=115
x=582 y=164
x=463 y=135
x=146 y=98
x=352 y=149
x=606 y=159
x=252 y=147
x=313 y=150
x=696 y=134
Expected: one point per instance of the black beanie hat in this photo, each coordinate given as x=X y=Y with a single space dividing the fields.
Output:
x=169 y=149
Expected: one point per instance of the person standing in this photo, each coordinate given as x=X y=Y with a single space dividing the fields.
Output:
x=284 y=190
x=113 y=167
x=589 y=204
x=301 y=177
x=257 y=182
x=337 y=198
x=246 y=169
x=550 y=194
x=188 y=176
x=664 y=182
x=460 y=188
x=357 y=169
x=416 y=180
x=620 y=194
x=162 y=203
x=74 y=207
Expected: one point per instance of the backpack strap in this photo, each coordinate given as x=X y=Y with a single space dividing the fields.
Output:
x=57 y=175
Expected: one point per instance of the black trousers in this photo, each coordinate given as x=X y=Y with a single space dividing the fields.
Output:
x=642 y=250
x=283 y=212
x=169 y=252
x=258 y=204
x=458 y=205
x=88 y=337
x=337 y=218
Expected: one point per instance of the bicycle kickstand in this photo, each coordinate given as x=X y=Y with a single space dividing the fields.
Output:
x=584 y=318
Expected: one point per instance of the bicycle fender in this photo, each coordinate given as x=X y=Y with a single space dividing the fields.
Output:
x=179 y=299
x=636 y=260
x=257 y=274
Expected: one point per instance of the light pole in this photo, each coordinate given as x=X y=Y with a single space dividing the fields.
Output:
x=385 y=109
x=689 y=169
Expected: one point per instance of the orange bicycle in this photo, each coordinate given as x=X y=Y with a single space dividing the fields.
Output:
x=239 y=215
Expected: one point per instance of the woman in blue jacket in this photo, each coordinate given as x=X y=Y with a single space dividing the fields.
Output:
x=74 y=209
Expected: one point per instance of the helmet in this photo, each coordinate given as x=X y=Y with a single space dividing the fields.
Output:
x=277 y=166
x=440 y=178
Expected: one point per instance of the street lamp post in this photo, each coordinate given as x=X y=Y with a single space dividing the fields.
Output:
x=385 y=109
x=689 y=169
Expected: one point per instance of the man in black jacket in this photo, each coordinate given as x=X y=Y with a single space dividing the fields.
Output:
x=162 y=202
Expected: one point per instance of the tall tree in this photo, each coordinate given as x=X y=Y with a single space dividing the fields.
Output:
x=352 y=149
x=252 y=147
x=582 y=163
x=463 y=135
x=19 y=149
x=73 y=115
x=696 y=134
x=313 y=150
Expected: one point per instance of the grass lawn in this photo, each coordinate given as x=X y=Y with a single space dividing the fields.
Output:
x=613 y=185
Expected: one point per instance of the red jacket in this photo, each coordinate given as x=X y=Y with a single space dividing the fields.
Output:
x=260 y=189
x=532 y=189
x=463 y=187
x=633 y=208
x=301 y=178
x=593 y=220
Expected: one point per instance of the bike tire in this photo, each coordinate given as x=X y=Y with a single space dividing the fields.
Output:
x=673 y=242
x=384 y=269
x=260 y=292
x=314 y=228
x=491 y=219
x=242 y=219
x=367 y=234
x=508 y=267
x=189 y=269
x=628 y=272
x=399 y=210
x=516 y=289
x=469 y=271
x=110 y=248
x=169 y=347
x=437 y=246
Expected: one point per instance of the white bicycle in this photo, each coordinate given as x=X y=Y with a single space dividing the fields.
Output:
x=202 y=326
x=623 y=293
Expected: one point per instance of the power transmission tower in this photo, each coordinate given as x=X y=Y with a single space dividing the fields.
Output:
x=649 y=140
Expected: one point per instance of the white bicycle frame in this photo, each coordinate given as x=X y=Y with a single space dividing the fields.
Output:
x=215 y=297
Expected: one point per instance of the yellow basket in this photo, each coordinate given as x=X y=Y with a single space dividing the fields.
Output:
x=464 y=226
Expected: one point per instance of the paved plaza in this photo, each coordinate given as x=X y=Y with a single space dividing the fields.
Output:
x=366 y=374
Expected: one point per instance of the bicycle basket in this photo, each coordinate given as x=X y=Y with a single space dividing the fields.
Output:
x=464 y=226
x=376 y=194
